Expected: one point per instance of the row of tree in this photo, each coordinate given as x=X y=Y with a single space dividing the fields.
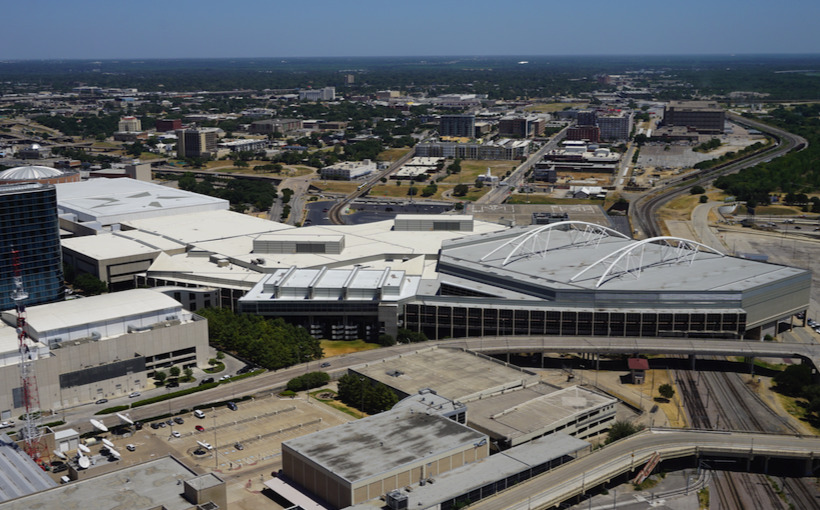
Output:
x=269 y=343
x=365 y=395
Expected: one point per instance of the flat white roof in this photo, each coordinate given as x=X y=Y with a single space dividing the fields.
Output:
x=106 y=246
x=116 y=200
x=206 y=226
x=78 y=312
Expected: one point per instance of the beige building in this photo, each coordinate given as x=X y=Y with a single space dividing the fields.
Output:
x=196 y=143
x=366 y=459
x=98 y=347
x=129 y=124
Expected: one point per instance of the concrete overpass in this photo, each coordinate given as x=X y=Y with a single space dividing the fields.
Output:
x=629 y=455
x=615 y=345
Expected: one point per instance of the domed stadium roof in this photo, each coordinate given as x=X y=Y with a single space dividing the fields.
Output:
x=28 y=173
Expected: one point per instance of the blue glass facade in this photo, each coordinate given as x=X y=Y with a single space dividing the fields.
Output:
x=29 y=224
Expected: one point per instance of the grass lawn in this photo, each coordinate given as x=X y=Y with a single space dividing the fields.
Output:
x=680 y=208
x=336 y=186
x=772 y=210
x=553 y=107
x=148 y=156
x=337 y=347
x=392 y=154
x=328 y=397
x=471 y=169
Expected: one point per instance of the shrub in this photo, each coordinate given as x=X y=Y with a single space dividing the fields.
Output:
x=308 y=381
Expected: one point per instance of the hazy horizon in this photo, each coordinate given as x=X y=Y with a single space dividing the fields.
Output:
x=187 y=29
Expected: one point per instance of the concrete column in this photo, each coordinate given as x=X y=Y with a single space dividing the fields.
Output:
x=766 y=465
x=692 y=362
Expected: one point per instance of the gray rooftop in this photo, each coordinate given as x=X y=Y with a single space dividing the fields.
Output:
x=531 y=409
x=453 y=374
x=153 y=484
x=19 y=475
x=553 y=262
x=495 y=467
x=364 y=448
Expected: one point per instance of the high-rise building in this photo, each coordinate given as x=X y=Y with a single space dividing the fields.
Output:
x=703 y=116
x=129 y=124
x=615 y=126
x=587 y=118
x=196 y=142
x=457 y=125
x=521 y=126
x=30 y=232
x=163 y=125
x=323 y=94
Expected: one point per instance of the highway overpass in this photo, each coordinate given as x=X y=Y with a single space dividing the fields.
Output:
x=629 y=455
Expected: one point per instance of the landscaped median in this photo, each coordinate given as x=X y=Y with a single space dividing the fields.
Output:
x=180 y=393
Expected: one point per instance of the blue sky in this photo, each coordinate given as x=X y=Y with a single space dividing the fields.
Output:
x=47 y=29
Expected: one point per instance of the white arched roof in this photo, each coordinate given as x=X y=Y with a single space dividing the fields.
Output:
x=683 y=250
x=27 y=173
x=592 y=233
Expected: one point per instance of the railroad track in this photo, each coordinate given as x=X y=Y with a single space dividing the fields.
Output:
x=644 y=209
x=737 y=408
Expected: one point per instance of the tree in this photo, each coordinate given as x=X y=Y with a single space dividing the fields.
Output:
x=360 y=393
x=793 y=379
x=703 y=199
x=189 y=374
x=460 y=190
x=455 y=167
x=90 y=284
x=160 y=376
x=175 y=371
x=620 y=430
x=412 y=191
x=386 y=340
x=697 y=190
x=308 y=381
x=666 y=391
x=406 y=336
x=479 y=184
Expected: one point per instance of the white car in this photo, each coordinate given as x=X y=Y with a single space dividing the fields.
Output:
x=134 y=395
x=130 y=447
x=175 y=433
x=207 y=446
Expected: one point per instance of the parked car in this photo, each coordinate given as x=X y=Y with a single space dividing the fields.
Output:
x=207 y=446
x=138 y=425
x=130 y=447
x=199 y=414
x=162 y=424
x=155 y=425
x=172 y=384
x=178 y=420
x=102 y=401
x=239 y=446
x=200 y=428
x=134 y=394
x=232 y=406
x=206 y=381
x=175 y=433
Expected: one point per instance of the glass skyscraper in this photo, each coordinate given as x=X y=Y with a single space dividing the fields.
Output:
x=29 y=225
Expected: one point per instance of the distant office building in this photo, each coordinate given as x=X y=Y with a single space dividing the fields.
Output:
x=163 y=125
x=384 y=95
x=502 y=149
x=703 y=116
x=348 y=170
x=587 y=118
x=34 y=151
x=29 y=226
x=457 y=125
x=196 y=143
x=323 y=94
x=521 y=126
x=615 y=126
x=244 y=145
x=590 y=134
x=129 y=124
x=270 y=126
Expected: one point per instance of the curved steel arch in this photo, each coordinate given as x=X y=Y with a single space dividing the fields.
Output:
x=685 y=249
x=592 y=233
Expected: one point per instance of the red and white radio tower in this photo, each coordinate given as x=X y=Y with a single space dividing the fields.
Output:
x=32 y=435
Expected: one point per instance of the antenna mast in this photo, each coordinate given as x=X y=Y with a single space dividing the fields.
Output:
x=31 y=432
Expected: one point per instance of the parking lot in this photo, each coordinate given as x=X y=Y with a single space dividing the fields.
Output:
x=246 y=442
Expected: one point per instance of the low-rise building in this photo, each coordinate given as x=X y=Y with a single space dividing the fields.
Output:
x=349 y=170
x=270 y=126
x=703 y=116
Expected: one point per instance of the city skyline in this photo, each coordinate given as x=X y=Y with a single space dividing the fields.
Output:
x=91 y=29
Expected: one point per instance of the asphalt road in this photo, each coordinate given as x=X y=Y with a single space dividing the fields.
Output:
x=276 y=380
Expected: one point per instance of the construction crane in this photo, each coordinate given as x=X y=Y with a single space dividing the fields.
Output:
x=31 y=431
